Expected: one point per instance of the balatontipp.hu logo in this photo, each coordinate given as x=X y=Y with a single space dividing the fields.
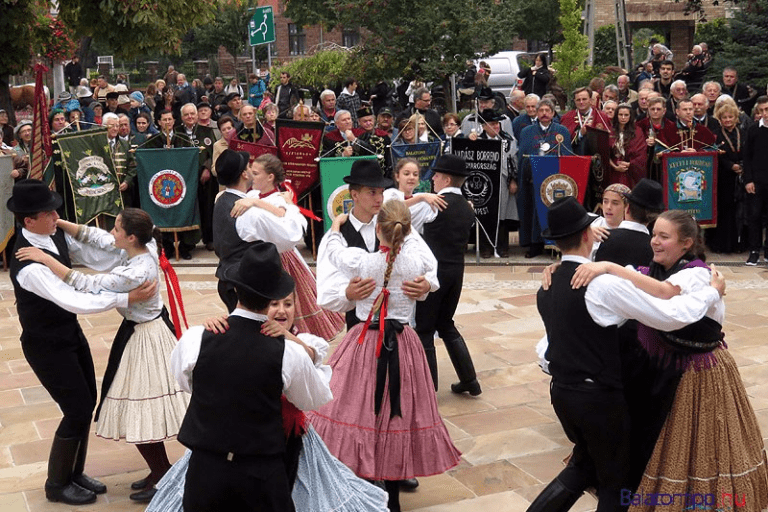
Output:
x=685 y=501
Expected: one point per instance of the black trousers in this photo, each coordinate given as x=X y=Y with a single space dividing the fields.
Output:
x=757 y=210
x=215 y=484
x=206 y=196
x=65 y=369
x=597 y=421
x=436 y=312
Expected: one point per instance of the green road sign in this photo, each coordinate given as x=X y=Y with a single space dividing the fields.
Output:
x=261 y=28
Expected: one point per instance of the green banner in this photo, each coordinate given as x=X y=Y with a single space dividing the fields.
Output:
x=335 y=193
x=168 y=180
x=94 y=187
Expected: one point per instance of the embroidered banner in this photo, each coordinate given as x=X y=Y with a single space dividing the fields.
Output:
x=690 y=184
x=298 y=144
x=252 y=148
x=484 y=182
x=335 y=192
x=555 y=177
x=93 y=185
x=168 y=186
x=426 y=153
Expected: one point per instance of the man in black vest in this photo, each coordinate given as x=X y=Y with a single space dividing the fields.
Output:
x=447 y=236
x=232 y=236
x=334 y=291
x=52 y=340
x=234 y=423
x=630 y=243
x=581 y=326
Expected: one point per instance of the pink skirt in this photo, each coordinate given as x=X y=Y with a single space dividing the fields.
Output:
x=378 y=447
x=309 y=316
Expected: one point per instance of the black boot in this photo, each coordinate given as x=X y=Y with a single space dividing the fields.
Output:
x=59 y=486
x=554 y=498
x=432 y=363
x=465 y=369
x=409 y=484
x=393 y=489
x=81 y=478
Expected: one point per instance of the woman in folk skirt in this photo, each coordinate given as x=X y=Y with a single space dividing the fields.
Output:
x=708 y=449
x=268 y=182
x=320 y=483
x=383 y=421
x=140 y=400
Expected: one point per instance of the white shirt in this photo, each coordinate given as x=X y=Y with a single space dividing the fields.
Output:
x=304 y=385
x=415 y=259
x=634 y=226
x=259 y=224
x=124 y=275
x=40 y=280
x=611 y=300
x=366 y=230
x=421 y=212
x=332 y=283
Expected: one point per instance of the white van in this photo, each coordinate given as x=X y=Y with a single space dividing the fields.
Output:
x=504 y=69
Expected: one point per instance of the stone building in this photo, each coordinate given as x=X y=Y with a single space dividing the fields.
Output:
x=666 y=17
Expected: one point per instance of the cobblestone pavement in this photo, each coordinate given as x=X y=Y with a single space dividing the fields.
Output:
x=511 y=441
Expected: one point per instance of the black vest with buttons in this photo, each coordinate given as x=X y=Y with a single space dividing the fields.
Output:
x=39 y=317
x=354 y=239
x=227 y=243
x=579 y=349
x=237 y=383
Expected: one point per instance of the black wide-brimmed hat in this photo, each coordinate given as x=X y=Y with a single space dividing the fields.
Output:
x=489 y=115
x=230 y=164
x=566 y=217
x=485 y=93
x=648 y=194
x=367 y=173
x=451 y=164
x=32 y=196
x=261 y=272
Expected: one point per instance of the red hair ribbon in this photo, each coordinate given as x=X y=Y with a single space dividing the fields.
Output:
x=380 y=304
x=174 y=293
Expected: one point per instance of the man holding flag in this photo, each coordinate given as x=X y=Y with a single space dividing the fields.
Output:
x=537 y=139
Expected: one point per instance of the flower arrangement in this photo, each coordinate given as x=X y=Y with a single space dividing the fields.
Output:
x=52 y=39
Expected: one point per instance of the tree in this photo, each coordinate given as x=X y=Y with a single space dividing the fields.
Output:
x=429 y=39
x=573 y=51
x=133 y=27
x=746 y=49
x=537 y=21
x=605 y=46
x=229 y=29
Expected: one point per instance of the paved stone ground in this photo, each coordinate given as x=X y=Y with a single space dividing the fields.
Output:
x=511 y=441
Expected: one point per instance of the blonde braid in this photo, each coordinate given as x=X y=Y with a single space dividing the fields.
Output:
x=395 y=223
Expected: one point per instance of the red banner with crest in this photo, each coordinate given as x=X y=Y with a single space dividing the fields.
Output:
x=252 y=148
x=298 y=143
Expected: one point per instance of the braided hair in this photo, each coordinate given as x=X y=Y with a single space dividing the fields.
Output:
x=394 y=220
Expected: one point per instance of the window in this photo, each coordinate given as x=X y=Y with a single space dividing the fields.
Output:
x=350 y=37
x=296 y=39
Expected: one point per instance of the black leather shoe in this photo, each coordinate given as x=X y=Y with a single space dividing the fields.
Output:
x=409 y=484
x=140 y=484
x=89 y=483
x=144 y=496
x=472 y=387
x=185 y=255
x=71 y=494
x=209 y=246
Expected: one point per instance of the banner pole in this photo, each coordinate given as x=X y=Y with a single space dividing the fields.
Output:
x=176 y=245
x=477 y=240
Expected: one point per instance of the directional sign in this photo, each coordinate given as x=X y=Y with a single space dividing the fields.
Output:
x=261 y=28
